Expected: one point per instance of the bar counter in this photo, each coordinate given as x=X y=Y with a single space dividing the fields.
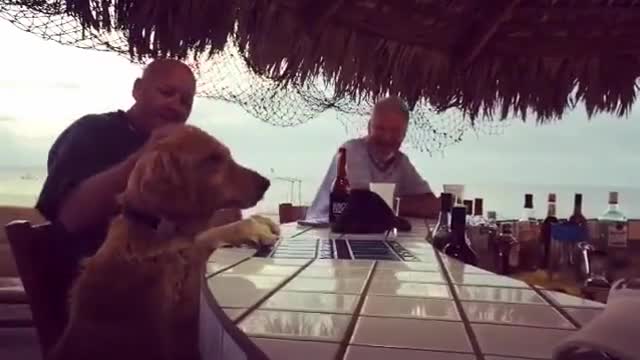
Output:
x=431 y=307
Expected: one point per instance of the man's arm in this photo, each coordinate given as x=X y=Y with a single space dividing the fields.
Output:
x=94 y=199
x=421 y=205
x=416 y=197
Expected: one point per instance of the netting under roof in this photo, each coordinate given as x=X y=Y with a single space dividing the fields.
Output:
x=228 y=77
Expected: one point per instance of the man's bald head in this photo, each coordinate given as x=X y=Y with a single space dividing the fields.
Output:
x=161 y=67
x=164 y=94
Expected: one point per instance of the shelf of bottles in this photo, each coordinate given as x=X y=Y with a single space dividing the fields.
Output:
x=590 y=249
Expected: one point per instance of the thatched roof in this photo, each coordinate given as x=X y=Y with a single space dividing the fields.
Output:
x=540 y=56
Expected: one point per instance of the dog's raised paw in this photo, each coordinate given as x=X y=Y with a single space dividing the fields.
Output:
x=259 y=230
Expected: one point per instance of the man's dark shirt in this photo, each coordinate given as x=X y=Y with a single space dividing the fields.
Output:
x=90 y=145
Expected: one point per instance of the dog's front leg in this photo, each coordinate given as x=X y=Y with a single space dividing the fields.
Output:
x=256 y=230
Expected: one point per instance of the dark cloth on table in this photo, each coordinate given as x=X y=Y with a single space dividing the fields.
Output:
x=90 y=145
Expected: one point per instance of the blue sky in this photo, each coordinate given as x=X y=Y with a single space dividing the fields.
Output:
x=45 y=86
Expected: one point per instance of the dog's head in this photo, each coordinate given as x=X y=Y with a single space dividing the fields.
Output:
x=190 y=175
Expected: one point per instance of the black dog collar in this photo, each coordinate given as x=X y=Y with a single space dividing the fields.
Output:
x=141 y=217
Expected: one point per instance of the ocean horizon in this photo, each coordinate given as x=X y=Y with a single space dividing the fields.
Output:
x=20 y=186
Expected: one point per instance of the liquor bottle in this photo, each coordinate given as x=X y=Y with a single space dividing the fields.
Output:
x=458 y=247
x=507 y=251
x=528 y=236
x=442 y=231
x=479 y=231
x=478 y=213
x=492 y=224
x=468 y=205
x=545 y=231
x=613 y=232
x=340 y=191
x=578 y=219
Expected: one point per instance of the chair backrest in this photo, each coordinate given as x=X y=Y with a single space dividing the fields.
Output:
x=46 y=276
x=289 y=213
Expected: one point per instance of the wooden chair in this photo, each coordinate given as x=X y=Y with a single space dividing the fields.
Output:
x=46 y=275
x=289 y=213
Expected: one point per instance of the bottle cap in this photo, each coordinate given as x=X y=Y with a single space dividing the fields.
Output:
x=468 y=204
x=578 y=199
x=446 y=201
x=613 y=197
x=528 y=201
x=477 y=206
x=552 y=197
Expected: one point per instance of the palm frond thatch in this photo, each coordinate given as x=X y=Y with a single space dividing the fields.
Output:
x=489 y=58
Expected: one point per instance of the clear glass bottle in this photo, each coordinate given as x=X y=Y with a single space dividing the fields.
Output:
x=528 y=233
x=614 y=232
x=506 y=254
x=442 y=232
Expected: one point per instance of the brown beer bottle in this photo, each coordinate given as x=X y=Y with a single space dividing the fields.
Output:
x=340 y=192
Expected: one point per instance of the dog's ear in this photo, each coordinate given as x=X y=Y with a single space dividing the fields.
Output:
x=157 y=185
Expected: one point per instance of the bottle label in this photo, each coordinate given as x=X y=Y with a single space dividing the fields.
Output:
x=617 y=235
x=337 y=208
x=527 y=231
x=514 y=256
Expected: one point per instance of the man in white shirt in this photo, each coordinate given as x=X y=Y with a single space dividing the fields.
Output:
x=377 y=158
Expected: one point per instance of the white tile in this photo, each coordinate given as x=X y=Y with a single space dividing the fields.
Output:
x=518 y=341
x=241 y=291
x=224 y=282
x=262 y=269
x=333 y=271
x=335 y=285
x=583 y=315
x=295 y=325
x=356 y=352
x=340 y=263
x=279 y=349
x=408 y=266
x=563 y=299
x=411 y=334
x=412 y=308
x=311 y=302
x=495 y=294
x=515 y=314
x=408 y=289
x=234 y=314
x=486 y=280
x=409 y=276
x=275 y=261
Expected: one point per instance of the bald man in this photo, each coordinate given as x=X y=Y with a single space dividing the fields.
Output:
x=89 y=163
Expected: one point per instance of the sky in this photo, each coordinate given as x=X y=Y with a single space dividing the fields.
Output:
x=45 y=86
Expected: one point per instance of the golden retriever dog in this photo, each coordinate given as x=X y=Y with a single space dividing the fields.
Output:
x=138 y=296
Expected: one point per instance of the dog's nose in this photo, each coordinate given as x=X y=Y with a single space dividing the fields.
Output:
x=264 y=184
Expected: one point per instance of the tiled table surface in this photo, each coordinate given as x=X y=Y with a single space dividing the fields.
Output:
x=437 y=308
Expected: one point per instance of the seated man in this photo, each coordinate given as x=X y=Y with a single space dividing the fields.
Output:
x=90 y=162
x=377 y=158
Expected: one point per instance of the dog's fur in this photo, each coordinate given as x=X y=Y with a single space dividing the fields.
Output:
x=138 y=296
